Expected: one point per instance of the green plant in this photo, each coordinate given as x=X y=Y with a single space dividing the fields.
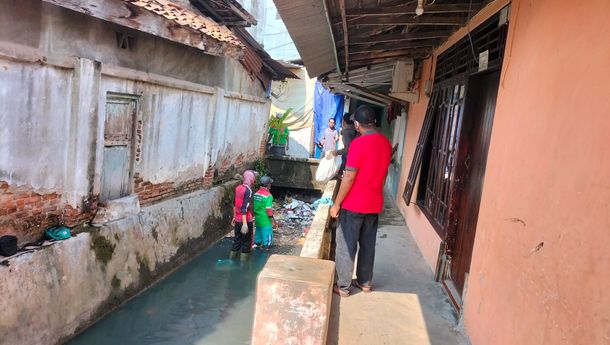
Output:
x=261 y=168
x=279 y=126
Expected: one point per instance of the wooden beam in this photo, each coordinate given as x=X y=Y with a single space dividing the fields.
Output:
x=247 y=17
x=394 y=46
x=375 y=61
x=409 y=20
x=410 y=9
x=203 y=5
x=394 y=53
x=345 y=38
x=143 y=20
x=410 y=36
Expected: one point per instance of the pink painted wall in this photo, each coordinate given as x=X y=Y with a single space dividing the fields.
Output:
x=421 y=229
x=547 y=181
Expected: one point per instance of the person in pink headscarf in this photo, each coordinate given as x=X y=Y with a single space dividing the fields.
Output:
x=243 y=217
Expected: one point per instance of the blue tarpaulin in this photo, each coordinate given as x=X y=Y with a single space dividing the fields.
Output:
x=326 y=106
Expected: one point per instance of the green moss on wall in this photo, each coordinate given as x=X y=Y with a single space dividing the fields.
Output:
x=103 y=248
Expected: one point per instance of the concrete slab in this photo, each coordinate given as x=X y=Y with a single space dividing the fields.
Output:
x=406 y=306
x=293 y=295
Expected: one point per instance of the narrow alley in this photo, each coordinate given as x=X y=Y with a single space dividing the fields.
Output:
x=304 y=172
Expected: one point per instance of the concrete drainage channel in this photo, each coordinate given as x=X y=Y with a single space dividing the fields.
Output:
x=63 y=289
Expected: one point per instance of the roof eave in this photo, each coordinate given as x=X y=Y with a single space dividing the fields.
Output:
x=317 y=49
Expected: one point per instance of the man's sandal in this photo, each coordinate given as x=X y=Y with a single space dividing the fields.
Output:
x=364 y=288
x=340 y=292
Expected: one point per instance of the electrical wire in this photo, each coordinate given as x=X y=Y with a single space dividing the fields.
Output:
x=468 y=31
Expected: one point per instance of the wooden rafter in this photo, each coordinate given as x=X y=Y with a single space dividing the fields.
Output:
x=394 y=53
x=407 y=20
x=394 y=46
x=364 y=63
x=410 y=9
x=397 y=37
x=345 y=38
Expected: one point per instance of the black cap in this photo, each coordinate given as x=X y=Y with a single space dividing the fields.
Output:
x=266 y=180
x=364 y=115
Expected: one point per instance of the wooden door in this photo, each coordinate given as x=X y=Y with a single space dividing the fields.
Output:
x=473 y=146
x=118 y=133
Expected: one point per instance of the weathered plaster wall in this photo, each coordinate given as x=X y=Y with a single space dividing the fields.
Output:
x=49 y=294
x=539 y=273
x=199 y=118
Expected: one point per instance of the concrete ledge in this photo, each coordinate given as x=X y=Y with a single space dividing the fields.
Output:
x=117 y=209
x=317 y=240
x=48 y=295
x=293 y=172
x=293 y=300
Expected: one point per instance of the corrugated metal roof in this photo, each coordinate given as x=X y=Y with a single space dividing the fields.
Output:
x=307 y=23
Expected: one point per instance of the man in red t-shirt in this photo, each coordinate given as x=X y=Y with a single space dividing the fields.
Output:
x=359 y=202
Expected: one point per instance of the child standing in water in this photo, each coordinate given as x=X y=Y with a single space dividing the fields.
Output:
x=263 y=214
x=243 y=217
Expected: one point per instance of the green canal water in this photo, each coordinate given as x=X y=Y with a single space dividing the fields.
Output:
x=208 y=301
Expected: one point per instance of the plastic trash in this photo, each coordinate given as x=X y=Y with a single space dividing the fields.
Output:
x=322 y=201
x=328 y=168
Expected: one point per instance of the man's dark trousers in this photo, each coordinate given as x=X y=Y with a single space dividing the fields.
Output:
x=355 y=229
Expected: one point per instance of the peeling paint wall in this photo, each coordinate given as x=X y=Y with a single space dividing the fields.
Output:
x=47 y=295
x=199 y=118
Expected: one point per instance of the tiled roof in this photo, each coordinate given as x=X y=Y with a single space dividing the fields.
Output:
x=186 y=18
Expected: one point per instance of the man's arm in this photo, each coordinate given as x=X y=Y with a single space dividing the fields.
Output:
x=245 y=204
x=269 y=209
x=346 y=184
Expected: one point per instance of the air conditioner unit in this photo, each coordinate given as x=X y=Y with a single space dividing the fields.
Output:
x=401 y=77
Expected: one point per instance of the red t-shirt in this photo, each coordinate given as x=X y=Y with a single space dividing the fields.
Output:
x=369 y=155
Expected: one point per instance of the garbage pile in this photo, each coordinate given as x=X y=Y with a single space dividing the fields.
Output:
x=294 y=215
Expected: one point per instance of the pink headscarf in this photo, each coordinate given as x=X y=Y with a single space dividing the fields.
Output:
x=249 y=177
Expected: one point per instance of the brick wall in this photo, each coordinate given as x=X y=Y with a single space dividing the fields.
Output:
x=149 y=192
x=26 y=213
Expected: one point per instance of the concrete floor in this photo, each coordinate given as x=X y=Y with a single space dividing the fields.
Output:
x=406 y=306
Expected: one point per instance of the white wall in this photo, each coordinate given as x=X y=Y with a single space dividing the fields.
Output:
x=54 y=76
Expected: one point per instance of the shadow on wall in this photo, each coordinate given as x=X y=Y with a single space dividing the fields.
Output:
x=298 y=150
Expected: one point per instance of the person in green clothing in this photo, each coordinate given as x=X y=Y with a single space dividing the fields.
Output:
x=279 y=136
x=263 y=214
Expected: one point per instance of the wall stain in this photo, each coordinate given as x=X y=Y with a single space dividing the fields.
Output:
x=515 y=220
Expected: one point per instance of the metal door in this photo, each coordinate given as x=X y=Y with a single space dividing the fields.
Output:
x=118 y=133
